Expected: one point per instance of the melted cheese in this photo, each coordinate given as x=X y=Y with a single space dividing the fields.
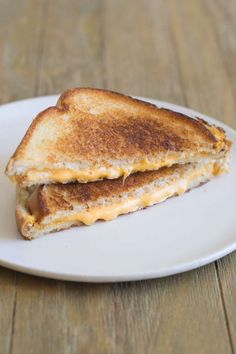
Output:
x=64 y=174
x=110 y=212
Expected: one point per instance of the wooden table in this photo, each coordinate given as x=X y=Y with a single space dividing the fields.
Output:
x=182 y=51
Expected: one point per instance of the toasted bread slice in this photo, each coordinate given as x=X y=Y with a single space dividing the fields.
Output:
x=54 y=207
x=93 y=134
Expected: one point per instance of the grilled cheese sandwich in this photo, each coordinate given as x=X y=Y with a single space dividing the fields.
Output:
x=99 y=154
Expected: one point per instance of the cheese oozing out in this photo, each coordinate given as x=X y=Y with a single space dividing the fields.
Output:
x=64 y=175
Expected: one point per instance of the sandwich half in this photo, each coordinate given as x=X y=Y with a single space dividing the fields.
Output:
x=93 y=134
x=53 y=207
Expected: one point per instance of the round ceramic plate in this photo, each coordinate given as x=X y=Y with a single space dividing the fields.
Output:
x=180 y=234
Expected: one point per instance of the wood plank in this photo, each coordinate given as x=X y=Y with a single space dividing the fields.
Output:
x=205 y=80
x=19 y=37
x=172 y=315
x=139 y=54
x=224 y=21
x=227 y=276
x=72 y=49
x=169 y=315
x=7 y=307
x=58 y=317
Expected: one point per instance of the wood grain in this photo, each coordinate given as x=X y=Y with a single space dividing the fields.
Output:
x=20 y=29
x=139 y=55
x=71 y=47
x=7 y=308
x=182 y=52
x=205 y=80
x=160 y=316
x=223 y=21
x=19 y=38
x=226 y=268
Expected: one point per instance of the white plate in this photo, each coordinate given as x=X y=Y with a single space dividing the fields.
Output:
x=178 y=235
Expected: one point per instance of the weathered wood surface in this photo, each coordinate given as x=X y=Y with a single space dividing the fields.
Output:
x=178 y=51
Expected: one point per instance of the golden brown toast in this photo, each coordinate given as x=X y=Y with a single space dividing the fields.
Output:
x=93 y=134
x=53 y=207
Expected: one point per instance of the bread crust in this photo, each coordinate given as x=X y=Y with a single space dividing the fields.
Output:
x=27 y=224
x=24 y=220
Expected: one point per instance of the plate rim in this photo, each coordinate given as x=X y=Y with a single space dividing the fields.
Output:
x=182 y=268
